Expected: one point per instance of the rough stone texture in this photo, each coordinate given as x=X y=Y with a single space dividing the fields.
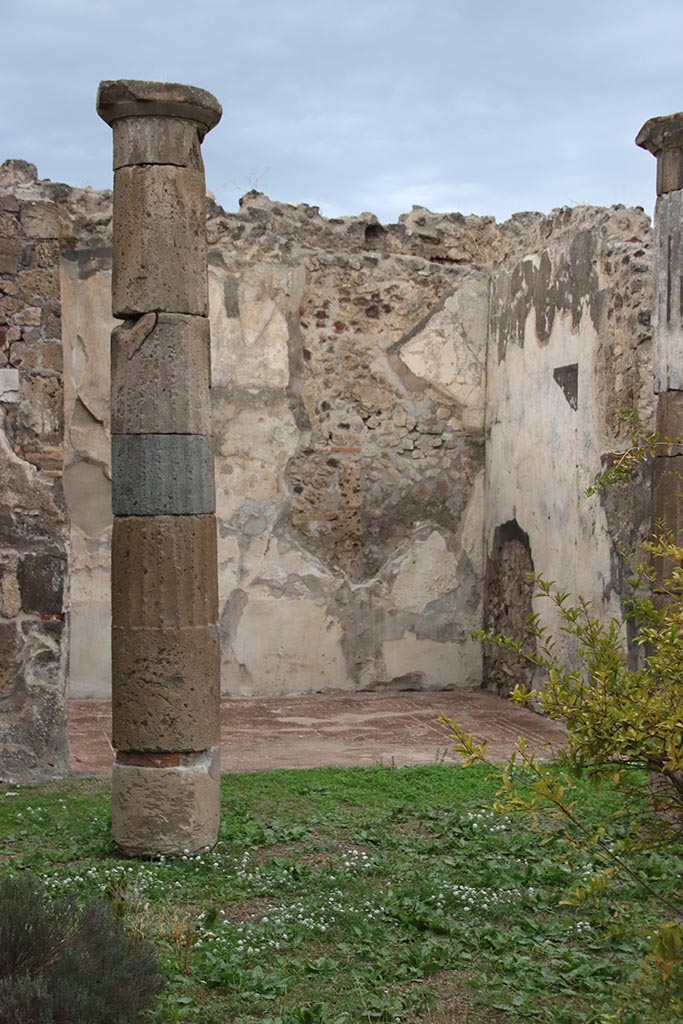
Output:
x=124 y=98
x=33 y=524
x=161 y=575
x=162 y=809
x=165 y=687
x=161 y=374
x=579 y=296
x=508 y=604
x=162 y=474
x=86 y=326
x=159 y=210
x=667 y=354
x=166 y=676
x=157 y=140
x=345 y=459
x=663 y=137
x=363 y=566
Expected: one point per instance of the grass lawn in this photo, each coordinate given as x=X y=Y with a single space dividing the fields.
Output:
x=337 y=896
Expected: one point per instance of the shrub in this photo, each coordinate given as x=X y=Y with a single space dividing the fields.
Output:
x=621 y=722
x=65 y=964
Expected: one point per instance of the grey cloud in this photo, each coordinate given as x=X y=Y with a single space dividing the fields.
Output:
x=362 y=104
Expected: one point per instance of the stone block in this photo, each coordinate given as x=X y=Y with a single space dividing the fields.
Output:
x=166 y=810
x=9 y=225
x=669 y=172
x=132 y=98
x=9 y=385
x=41 y=583
x=41 y=219
x=162 y=474
x=33 y=741
x=10 y=254
x=161 y=375
x=159 y=241
x=165 y=688
x=164 y=571
x=10 y=643
x=40 y=416
x=10 y=595
x=157 y=140
x=667 y=351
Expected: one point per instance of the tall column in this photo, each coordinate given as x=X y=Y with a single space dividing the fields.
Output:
x=165 y=653
x=663 y=137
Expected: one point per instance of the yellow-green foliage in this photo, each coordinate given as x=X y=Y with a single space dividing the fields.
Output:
x=620 y=721
x=617 y=717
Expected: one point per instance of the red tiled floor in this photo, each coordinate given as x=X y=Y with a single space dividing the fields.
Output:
x=313 y=730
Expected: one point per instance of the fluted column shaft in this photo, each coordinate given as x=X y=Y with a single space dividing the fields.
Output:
x=165 y=649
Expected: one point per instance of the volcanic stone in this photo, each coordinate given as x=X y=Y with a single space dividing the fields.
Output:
x=162 y=474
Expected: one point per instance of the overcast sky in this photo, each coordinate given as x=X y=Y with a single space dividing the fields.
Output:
x=480 y=106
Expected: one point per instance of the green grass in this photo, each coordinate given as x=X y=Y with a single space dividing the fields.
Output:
x=337 y=896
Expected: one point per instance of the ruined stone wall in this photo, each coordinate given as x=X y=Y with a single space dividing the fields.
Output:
x=348 y=400
x=569 y=347
x=34 y=533
x=365 y=378
x=348 y=377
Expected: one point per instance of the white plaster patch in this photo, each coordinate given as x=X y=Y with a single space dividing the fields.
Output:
x=9 y=386
x=542 y=454
x=443 y=666
x=252 y=448
x=472 y=533
x=251 y=349
x=450 y=350
x=428 y=572
x=287 y=646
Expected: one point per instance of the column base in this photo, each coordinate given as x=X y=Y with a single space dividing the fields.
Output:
x=165 y=803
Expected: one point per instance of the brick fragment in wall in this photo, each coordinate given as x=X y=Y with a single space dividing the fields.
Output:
x=160 y=810
x=159 y=247
x=165 y=687
x=162 y=474
x=160 y=373
x=163 y=571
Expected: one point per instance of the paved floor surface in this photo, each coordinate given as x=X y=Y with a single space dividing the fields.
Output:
x=259 y=733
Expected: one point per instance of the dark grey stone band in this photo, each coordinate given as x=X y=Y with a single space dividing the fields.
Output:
x=162 y=475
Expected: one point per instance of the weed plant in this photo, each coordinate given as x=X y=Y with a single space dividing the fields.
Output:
x=61 y=963
x=343 y=896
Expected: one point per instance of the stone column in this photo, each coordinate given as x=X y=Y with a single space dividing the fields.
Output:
x=663 y=136
x=165 y=653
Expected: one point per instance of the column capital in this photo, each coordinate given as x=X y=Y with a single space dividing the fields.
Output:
x=663 y=137
x=127 y=98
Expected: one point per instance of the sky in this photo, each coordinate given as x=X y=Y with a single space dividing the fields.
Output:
x=476 y=106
